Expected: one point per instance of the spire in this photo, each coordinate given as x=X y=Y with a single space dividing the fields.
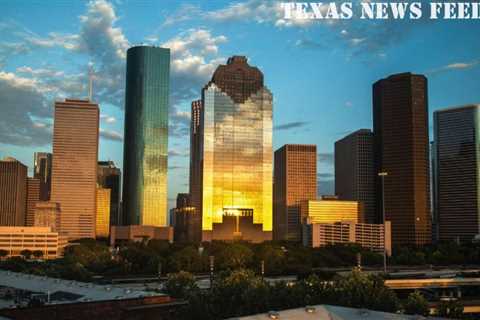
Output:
x=91 y=75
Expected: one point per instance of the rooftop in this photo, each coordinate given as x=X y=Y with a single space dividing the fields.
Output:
x=78 y=291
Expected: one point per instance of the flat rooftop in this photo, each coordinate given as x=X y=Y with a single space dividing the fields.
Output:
x=328 y=312
x=69 y=290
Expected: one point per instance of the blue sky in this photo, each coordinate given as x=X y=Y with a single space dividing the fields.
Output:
x=319 y=72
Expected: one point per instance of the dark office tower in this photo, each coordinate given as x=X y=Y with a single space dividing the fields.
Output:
x=195 y=155
x=33 y=196
x=236 y=149
x=42 y=170
x=108 y=177
x=355 y=172
x=74 y=170
x=183 y=200
x=400 y=127
x=457 y=159
x=295 y=180
x=146 y=136
x=13 y=192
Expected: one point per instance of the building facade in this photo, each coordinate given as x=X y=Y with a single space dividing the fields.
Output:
x=195 y=177
x=74 y=169
x=42 y=170
x=146 y=136
x=330 y=211
x=13 y=192
x=400 y=127
x=295 y=180
x=457 y=169
x=355 y=171
x=47 y=214
x=102 y=225
x=109 y=177
x=137 y=233
x=16 y=239
x=33 y=196
x=376 y=237
x=236 y=154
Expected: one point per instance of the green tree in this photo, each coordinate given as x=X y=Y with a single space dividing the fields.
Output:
x=3 y=254
x=26 y=254
x=416 y=304
x=188 y=259
x=450 y=309
x=359 y=290
x=181 y=284
x=235 y=256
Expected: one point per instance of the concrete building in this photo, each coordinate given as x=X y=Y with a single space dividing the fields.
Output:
x=42 y=170
x=121 y=234
x=236 y=160
x=16 y=239
x=456 y=157
x=187 y=227
x=102 y=225
x=376 y=237
x=47 y=214
x=355 y=171
x=400 y=127
x=146 y=136
x=330 y=211
x=74 y=171
x=33 y=196
x=295 y=180
x=13 y=192
x=109 y=177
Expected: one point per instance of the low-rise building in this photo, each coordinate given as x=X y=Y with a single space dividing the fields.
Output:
x=119 y=234
x=47 y=214
x=14 y=240
x=330 y=210
x=376 y=237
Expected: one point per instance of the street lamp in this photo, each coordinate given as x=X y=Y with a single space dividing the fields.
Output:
x=382 y=175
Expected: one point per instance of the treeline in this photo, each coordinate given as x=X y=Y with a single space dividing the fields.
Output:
x=241 y=292
x=89 y=258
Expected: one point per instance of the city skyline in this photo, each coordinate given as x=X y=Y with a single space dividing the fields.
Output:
x=351 y=56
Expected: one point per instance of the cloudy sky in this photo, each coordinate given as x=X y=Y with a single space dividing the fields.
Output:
x=320 y=72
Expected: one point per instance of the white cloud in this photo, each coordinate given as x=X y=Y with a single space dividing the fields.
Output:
x=456 y=66
x=110 y=135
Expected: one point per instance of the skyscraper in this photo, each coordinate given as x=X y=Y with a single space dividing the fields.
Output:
x=400 y=126
x=13 y=192
x=108 y=177
x=355 y=172
x=146 y=136
x=42 y=170
x=33 y=196
x=295 y=180
x=74 y=170
x=102 y=225
x=195 y=156
x=457 y=167
x=236 y=154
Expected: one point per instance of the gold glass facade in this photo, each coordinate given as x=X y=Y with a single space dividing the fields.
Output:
x=102 y=226
x=237 y=157
x=330 y=211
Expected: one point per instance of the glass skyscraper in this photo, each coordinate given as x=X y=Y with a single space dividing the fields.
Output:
x=146 y=136
x=236 y=161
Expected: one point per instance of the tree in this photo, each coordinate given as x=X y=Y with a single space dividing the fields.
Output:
x=3 y=254
x=235 y=256
x=38 y=254
x=181 y=284
x=417 y=304
x=188 y=259
x=450 y=309
x=359 y=290
x=26 y=254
